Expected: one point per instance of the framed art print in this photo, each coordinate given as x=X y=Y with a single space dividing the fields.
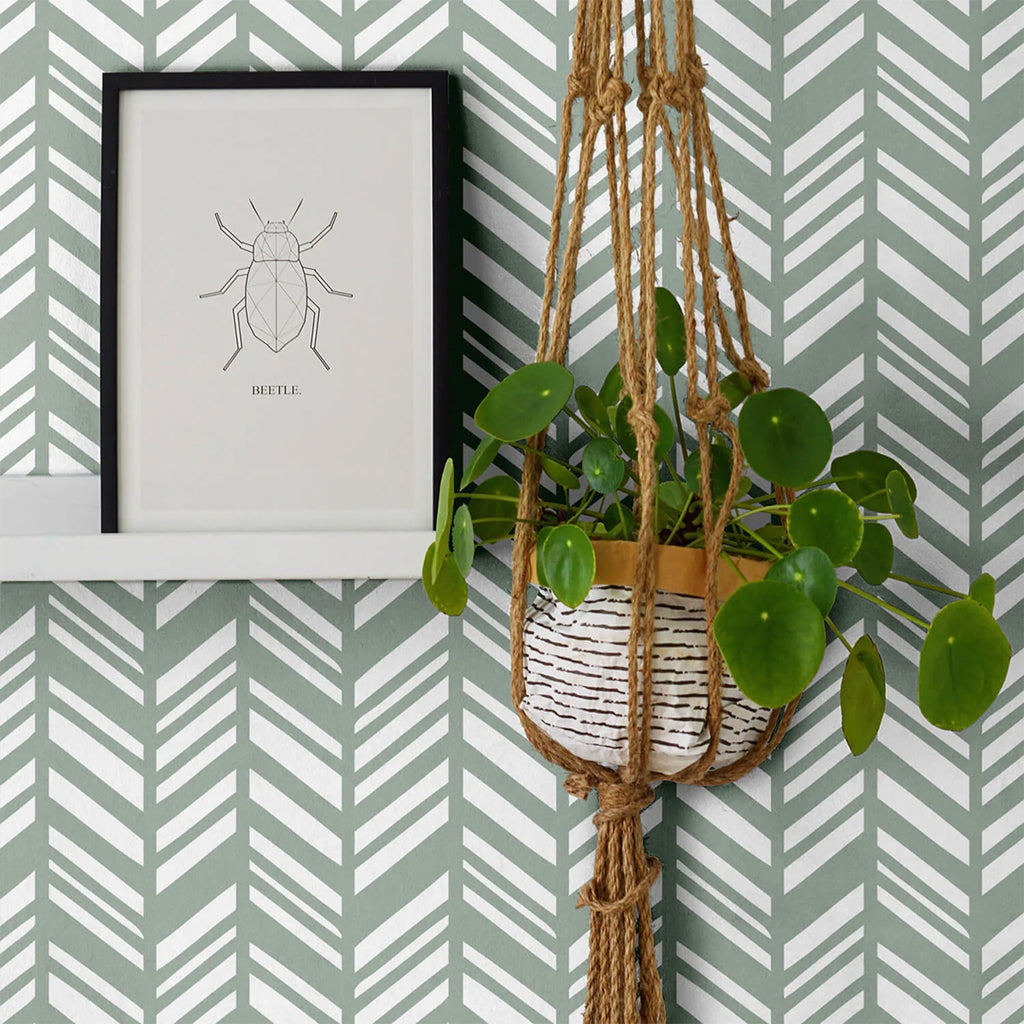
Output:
x=273 y=301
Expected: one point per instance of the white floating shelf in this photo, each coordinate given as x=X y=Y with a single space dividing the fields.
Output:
x=49 y=530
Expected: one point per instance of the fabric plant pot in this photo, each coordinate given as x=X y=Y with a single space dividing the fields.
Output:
x=576 y=664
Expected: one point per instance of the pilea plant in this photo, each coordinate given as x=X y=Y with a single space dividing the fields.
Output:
x=771 y=631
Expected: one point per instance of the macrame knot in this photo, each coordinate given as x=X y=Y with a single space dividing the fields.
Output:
x=661 y=89
x=709 y=410
x=621 y=800
x=579 y=784
x=628 y=901
x=696 y=77
x=643 y=424
x=580 y=81
x=754 y=372
x=601 y=106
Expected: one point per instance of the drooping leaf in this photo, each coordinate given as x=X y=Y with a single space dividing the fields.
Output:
x=772 y=638
x=619 y=521
x=673 y=494
x=874 y=557
x=736 y=388
x=785 y=436
x=525 y=402
x=901 y=502
x=862 y=475
x=721 y=470
x=828 y=520
x=445 y=508
x=627 y=438
x=964 y=660
x=983 y=590
x=593 y=409
x=462 y=539
x=670 y=331
x=862 y=695
x=494 y=516
x=569 y=563
x=563 y=475
x=612 y=387
x=602 y=466
x=480 y=460
x=447 y=588
x=811 y=571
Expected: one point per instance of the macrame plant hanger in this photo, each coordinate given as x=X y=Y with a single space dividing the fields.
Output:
x=623 y=986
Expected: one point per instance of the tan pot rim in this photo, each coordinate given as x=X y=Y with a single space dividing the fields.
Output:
x=677 y=570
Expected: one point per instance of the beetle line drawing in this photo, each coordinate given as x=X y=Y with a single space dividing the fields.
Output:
x=276 y=301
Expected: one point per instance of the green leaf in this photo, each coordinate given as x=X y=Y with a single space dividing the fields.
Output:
x=670 y=331
x=489 y=503
x=525 y=402
x=447 y=588
x=828 y=520
x=593 y=409
x=901 y=502
x=620 y=523
x=445 y=507
x=964 y=660
x=874 y=557
x=480 y=460
x=673 y=494
x=785 y=436
x=462 y=539
x=983 y=590
x=862 y=695
x=602 y=466
x=568 y=562
x=811 y=571
x=563 y=475
x=736 y=388
x=612 y=387
x=862 y=475
x=627 y=438
x=541 y=539
x=721 y=470
x=772 y=638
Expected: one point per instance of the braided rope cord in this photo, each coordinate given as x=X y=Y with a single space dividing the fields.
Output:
x=623 y=986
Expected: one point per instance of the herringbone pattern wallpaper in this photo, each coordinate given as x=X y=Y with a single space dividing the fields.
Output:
x=311 y=802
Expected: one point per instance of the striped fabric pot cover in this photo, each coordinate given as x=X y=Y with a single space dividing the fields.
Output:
x=576 y=674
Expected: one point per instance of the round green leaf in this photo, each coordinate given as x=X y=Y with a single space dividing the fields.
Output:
x=964 y=660
x=828 y=520
x=480 y=460
x=462 y=539
x=447 y=588
x=785 y=436
x=494 y=516
x=602 y=466
x=901 y=503
x=619 y=521
x=874 y=556
x=811 y=571
x=539 y=541
x=736 y=388
x=772 y=638
x=562 y=474
x=525 y=402
x=568 y=562
x=612 y=387
x=721 y=470
x=983 y=590
x=862 y=475
x=627 y=438
x=673 y=494
x=593 y=409
x=862 y=695
x=670 y=332
x=445 y=507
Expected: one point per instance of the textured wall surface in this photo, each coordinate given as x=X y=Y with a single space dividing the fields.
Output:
x=305 y=802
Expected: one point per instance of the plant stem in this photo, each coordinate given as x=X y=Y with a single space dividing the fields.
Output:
x=582 y=422
x=735 y=568
x=883 y=604
x=839 y=633
x=679 y=418
x=783 y=509
x=679 y=521
x=878 y=519
x=926 y=586
x=760 y=540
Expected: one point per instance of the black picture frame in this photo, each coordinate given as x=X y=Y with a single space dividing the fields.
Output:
x=115 y=85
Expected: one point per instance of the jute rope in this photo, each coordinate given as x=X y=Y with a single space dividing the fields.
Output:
x=623 y=986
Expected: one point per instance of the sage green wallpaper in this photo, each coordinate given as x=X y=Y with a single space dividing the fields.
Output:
x=268 y=802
